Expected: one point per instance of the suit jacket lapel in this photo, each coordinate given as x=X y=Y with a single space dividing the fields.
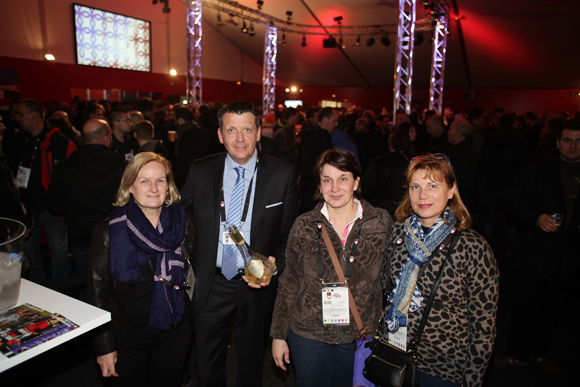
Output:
x=218 y=180
x=261 y=186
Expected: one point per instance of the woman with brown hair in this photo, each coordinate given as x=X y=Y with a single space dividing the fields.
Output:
x=321 y=341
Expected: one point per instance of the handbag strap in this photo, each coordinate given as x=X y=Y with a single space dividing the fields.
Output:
x=417 y=340
x=342 y=278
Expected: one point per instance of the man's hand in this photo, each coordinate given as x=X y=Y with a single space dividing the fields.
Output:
x=263 y=284
x=280 y=353
x=546 y=223
x=107 y=363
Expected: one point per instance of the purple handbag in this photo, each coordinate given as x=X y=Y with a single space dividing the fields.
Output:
x=361 y=353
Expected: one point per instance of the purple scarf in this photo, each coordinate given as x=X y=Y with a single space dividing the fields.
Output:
x=134 y=242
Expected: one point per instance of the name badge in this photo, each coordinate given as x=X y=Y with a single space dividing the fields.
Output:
x=335 y=309
x=22 y=177
x=227 y=238
x=398 y=339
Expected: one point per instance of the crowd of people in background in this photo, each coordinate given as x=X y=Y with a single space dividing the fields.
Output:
x=515 y=172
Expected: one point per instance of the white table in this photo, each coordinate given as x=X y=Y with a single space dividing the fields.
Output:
x=86 y=316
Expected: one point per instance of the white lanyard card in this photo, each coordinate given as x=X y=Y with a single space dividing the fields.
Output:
x=335 y=308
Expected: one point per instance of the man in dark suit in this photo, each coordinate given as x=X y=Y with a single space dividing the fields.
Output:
x=266 y=220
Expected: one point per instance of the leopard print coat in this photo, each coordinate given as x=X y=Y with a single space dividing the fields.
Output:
x=458 y=338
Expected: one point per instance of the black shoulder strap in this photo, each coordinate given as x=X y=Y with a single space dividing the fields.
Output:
x=415 y=343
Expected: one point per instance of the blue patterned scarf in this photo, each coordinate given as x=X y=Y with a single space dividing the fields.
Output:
x=405 y=297
x=134 y=241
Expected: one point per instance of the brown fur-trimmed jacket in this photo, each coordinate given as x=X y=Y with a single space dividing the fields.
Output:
x=299 y=299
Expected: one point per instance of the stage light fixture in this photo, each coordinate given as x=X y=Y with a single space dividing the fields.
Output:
x=293 y=89
x=260 y=4
x=425 y=4
x=166 y=8
x=173 y=72
x=219 y=21
x=49 y=57
x=244 y=28
x=287 y=90
x=370 y=41
x=154 y=2
x=252 y=31
x=283 y=42
x=386 y=41
x=289 y=15
x=357 y=41
x=338 y=19
x=303 y=40
x=231 y=20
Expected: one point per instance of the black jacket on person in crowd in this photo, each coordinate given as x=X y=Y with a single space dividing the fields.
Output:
x=463 y=158
x=384 y=180
x=84 y=187
x=192 y=143
x=539 y=190
x=314 y=143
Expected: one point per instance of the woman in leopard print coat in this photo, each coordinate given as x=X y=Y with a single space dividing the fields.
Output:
x=458 y=338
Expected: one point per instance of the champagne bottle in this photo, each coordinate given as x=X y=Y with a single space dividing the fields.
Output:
x=258 y=267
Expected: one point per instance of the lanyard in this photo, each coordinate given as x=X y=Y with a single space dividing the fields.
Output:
x=350 y=260
x=246 y=204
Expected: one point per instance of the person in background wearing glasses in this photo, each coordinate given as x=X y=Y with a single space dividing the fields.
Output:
x=458 y=338
x=123 y=140
x=549 y=259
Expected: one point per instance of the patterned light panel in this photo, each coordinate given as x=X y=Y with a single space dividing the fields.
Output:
x=107 y=39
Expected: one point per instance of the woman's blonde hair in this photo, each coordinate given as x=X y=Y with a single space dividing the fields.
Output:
x=439 y=169
x=132 y=170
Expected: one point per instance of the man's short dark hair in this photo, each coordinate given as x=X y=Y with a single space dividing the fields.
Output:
x=145 y=105
x=570 y=125
x=33 y=105
x=473 y=114
x=239 y=108
x=399 y=140
x=290 y=112
x=183 y=112
x=497 y=111
x=92 y=109
x=531 y=116
x=116 y=115
x=144 y=130
x=311 y=112
x=326 y=112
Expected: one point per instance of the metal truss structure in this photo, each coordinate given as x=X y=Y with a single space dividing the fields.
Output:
x=194 y=33
x=406 y=27
x=269 y=77
x=438 y=63
x=402 y=89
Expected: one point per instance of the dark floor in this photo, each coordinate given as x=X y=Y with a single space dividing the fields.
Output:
x=72 y=364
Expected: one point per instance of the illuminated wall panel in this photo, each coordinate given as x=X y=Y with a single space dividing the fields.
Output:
x=107 y=39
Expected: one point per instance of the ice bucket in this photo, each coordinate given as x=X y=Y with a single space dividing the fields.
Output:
x=11 y=245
